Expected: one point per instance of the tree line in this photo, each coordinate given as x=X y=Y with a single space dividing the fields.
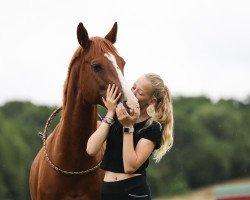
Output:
x=211 y=144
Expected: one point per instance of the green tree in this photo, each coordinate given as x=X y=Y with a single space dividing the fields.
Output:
x=211 y=144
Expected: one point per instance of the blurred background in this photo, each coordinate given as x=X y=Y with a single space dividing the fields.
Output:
x=201 y=50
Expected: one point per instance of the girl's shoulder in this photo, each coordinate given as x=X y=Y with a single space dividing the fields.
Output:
x=154 y=133
x=156 y=126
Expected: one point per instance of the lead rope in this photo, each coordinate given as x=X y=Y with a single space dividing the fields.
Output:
x=43 y=135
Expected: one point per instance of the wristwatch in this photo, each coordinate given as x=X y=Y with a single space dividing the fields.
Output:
x=128 y=130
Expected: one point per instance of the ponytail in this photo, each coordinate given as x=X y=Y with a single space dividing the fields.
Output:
x=163 y=115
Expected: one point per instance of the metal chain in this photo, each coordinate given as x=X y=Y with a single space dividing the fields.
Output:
x=43 y=135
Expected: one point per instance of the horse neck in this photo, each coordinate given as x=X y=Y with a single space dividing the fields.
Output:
x=78 y=123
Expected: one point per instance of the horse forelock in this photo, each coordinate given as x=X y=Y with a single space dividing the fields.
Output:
x=100 y=46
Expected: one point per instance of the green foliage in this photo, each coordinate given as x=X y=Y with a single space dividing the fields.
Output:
x=211 y=144
x=19 y=125
x=102 y=111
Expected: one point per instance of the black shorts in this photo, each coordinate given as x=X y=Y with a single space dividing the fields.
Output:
x=132 y=188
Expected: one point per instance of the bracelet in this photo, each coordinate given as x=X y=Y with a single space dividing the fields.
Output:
x=111 y=118
x=108 y=121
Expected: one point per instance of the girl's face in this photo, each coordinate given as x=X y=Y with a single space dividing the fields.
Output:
x=142 y=90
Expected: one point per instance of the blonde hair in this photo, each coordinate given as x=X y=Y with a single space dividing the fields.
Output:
x=163 y=114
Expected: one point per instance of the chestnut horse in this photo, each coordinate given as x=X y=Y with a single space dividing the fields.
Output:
x=94 y=65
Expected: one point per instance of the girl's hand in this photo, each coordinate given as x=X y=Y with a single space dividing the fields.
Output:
x=125 y=119
x=111 y=99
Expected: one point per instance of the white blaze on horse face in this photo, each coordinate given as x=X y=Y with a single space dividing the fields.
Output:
x=128 y=94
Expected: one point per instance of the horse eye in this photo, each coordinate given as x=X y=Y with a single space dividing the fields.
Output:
x=96 y=67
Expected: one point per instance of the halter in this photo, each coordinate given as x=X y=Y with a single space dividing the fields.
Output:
x=43 y=135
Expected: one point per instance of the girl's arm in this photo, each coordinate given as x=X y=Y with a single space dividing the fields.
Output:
x=133 y=157
x=97 y=139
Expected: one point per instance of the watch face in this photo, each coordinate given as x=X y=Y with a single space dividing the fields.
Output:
x=128 y=130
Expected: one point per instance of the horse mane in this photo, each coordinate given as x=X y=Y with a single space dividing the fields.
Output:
x=99 y=46
x=65 y=87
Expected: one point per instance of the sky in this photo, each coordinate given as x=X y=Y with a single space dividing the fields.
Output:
x=198 y=47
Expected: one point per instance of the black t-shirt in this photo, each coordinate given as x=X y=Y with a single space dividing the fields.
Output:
x=113 y=159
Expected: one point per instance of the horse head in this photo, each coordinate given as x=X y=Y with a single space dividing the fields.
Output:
x=95 y=65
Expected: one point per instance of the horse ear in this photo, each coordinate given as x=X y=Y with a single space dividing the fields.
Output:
x=82 y=36
x=111 y=36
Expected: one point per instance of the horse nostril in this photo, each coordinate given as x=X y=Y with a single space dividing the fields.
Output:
x=126 y=106
x=122 y=98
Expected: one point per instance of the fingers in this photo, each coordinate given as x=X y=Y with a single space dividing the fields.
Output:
x=123 y=116
x=118 y=97
x=112 y=97
x=108 y=89
x=104 y=101
x=121 y=110
x=112 y=93
x=135 y=112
